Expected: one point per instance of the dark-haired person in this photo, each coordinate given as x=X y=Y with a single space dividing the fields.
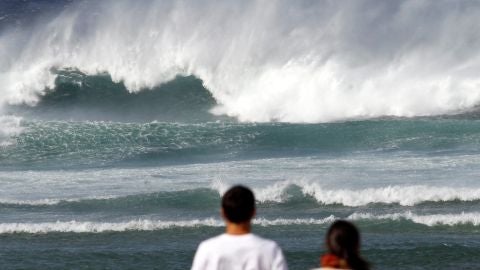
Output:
x=238 y=248
x=343 y=244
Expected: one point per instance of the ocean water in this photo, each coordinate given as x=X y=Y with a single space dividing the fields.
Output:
x=123 y=122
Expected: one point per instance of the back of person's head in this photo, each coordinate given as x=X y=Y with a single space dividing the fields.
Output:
x=238 y=204
x=343 y=241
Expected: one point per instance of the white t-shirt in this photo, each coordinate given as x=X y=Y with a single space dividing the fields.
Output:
x=239 y=252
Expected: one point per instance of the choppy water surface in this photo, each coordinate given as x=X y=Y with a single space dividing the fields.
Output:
x=117 y=144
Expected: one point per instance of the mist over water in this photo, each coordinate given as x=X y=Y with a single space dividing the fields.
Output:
x=306 y=61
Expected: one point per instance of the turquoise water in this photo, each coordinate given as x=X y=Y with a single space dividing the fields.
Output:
x=116 y=144
x=104 y=194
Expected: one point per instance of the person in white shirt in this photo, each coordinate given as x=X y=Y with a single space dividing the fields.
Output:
x=238 y=248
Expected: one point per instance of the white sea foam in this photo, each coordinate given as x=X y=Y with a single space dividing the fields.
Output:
x=45 y=202
x=264 y=60
x=462 y=218
x=281 y=192
x=403 y=195
x=98 y=227
x=140 y=225
x=274 y=193
x=153 y=225
x=38 y=202
x=296 y=221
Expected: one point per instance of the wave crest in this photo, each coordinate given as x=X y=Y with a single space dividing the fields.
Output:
x=429 y=220
x=402 y=195
x=264 y=60
x=154 y=225
x=283 y=192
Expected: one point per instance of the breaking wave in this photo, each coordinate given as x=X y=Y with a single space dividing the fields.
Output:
x=78 y=97
x=402 y=195
x=429 y=220
x=141 y=225
x=279 y=193
x=154 y=225
x=275 y=60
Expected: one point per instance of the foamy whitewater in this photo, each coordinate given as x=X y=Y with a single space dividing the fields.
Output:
x=122 y=123
x=263 y=60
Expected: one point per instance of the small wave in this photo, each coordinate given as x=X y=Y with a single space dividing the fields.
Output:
x=40 y=202
x=47 y=202
x=297 y=221
x=429 y=220
x=402 y=195
x=278 y=193
x=99 y=227
x=140 y=225
x=154 y=225
x=283 y=192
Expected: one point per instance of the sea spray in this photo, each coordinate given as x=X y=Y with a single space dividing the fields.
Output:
x=429 y=220
x=402 y=195
x=114 y=156
x=264 y=60
x=10 y=126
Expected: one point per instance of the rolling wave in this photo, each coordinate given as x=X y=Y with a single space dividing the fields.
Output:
x=142 y=225
x=78 y=97
x=281 y=193
x=154 y=225
x=99 y=227
x=262 y=60
x=402 y=195
x=429 y=220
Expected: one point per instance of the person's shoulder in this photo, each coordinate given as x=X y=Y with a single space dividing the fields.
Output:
x=213 y=241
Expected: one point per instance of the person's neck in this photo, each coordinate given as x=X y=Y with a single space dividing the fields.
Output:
x=238 y=228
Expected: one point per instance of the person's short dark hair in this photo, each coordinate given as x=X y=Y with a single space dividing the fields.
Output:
x=238 y=204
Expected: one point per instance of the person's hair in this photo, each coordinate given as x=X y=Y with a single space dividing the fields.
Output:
x=238 y=204
x=343 y=241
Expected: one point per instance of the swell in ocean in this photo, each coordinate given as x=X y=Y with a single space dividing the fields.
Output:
x=407 y=218
x=281 y=193
x=406 y=207
x=67 y=143
x=123 y=122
